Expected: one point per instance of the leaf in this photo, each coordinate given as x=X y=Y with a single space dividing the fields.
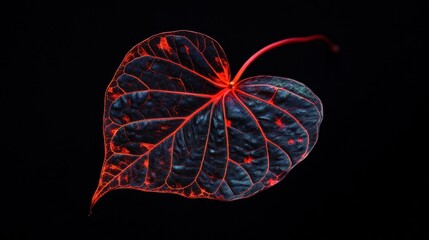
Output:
x=174 y=122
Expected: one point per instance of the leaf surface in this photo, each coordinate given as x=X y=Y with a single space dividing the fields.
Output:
x=173 y=123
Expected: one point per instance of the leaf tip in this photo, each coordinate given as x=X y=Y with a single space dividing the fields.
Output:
x=94 y=200
x=90 y=208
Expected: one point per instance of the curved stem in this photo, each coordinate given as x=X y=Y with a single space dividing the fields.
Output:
x=334 y=48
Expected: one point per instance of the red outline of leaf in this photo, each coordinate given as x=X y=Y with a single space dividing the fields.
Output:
x=119 y=172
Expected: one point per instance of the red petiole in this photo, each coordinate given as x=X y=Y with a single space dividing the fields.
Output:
x=334 y=48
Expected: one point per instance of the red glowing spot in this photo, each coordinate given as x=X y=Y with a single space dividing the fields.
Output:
x=271 y=182
x=228 y=123
x=300 y=140
x=146 y=145
x=124 y=151
x=114 y=147
x=146 y=163
x=163 y=127
x=163 y=44
x=192 y=195
x=113 y=131
x=271 y=100
x=248 y=159
x=126 y=118
x=290 y=142
x=279 y=123
x=142 y=52
x=224 y=74
x=112 y=94
x=187 y=49
x=128 y=57
x=113 y=167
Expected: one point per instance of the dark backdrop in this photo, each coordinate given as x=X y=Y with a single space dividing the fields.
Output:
x=365 y=178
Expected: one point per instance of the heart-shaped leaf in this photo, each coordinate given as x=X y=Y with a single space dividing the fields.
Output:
x=174 y=122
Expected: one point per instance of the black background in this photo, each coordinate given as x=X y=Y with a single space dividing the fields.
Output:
x=365 y=178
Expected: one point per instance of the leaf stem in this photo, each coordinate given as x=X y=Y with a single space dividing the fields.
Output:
x=334 y=48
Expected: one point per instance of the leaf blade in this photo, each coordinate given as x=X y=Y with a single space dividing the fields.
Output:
x=174 y=124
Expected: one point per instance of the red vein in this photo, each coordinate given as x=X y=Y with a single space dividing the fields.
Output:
x=169 y=92
x=225 y=127
x=247 y=173
x=138 y=79
x=281 y=149
x=226 y=141
x=260 y=128
x=150 y=47
x=144 y=120
x=158 y=91
x=173 y=133
x=154 y=119
x=226 y=81
x=120 y=88
x=227 y=184
x=147 y=120
x=179 y=79
x=147 y=168
x=184 y=68
x=201 y=189
x=282 y=110
x=165 y=107
x=287 y=90
x=277 y=88
x=207 y=141
x=205 y=150
x=204 y=44
x=175 y=52
x=171 y=162
x=203 y=56
x=262 y=178
x=122 y=154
